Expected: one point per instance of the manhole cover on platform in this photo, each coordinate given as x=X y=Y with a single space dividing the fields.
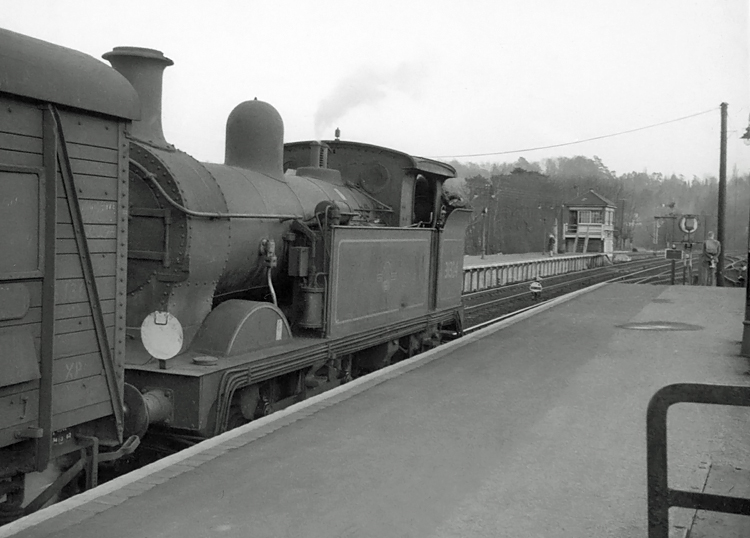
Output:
x=660 y=326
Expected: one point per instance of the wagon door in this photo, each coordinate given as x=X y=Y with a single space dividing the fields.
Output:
x=22 y=263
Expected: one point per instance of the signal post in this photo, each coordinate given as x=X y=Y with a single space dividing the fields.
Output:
x=688 y=225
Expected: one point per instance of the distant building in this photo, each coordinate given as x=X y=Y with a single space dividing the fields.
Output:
x=591 y=224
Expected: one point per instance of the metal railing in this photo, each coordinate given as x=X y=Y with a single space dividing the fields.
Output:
x=660 y=496
x=489 y=276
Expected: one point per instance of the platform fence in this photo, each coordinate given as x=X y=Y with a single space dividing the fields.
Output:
x=495 y=275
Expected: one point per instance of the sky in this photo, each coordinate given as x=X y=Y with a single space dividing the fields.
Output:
x=441 y=78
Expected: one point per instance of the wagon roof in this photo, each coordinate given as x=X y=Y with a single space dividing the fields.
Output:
x=36 y=69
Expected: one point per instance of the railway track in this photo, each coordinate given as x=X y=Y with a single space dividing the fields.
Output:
x=734 y=273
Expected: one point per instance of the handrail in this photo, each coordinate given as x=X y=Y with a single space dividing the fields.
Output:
x=660 y=496
x=203 y=214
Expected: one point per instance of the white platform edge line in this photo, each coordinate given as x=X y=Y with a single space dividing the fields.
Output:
x=112 y=486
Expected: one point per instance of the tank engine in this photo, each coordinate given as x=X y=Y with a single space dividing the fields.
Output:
x=289 y=269
x=221 y=291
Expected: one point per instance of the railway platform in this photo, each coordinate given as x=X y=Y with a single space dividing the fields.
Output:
x=534 y=427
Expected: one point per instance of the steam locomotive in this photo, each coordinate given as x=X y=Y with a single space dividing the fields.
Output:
x=145 y=293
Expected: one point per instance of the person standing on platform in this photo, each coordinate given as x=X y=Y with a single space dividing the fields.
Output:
x=551 y=245
x=709 y=258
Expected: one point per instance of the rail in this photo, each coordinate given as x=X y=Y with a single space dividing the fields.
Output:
x=489 y=276
x=660 y=496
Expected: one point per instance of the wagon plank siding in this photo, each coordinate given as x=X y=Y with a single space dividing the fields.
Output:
x=93 y=211
x=92 y=231
x=90 y=131
x=20 y=118
x=92 y=188
x=69 y=265
x=91 y=168
x=82 y=323
x=92 y=153
x=68 y=246
x=74 y=291
x=79 y=416
x=76 y=310
x=72 y=368
x=79 y=343
x=80 y=393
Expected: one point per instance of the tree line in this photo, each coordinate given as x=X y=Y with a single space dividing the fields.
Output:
x=516 y=205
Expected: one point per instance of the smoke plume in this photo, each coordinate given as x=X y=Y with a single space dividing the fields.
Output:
x=366 y=86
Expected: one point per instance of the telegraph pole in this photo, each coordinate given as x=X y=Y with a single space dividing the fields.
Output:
x=484 y=232
x=722 y=196
x=622 y=225
x=745 y=349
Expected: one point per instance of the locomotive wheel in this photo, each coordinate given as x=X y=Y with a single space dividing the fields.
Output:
x=10 y=511
x=265 y=408
x=409 y=346
x=235 y=418
x=345 y=372
x=13 y=489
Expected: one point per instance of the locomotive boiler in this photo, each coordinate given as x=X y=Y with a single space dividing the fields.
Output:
x=160 y=300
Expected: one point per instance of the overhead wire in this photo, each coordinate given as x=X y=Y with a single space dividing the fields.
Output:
x=578 y=141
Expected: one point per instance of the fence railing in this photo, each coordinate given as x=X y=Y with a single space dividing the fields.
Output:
x=660 y=495
x=485 y=277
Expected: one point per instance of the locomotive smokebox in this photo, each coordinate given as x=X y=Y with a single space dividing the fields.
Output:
x=255 y=138
x=144 y=69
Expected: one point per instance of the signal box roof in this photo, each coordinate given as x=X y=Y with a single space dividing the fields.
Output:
x=590 y=199
x=39 y=70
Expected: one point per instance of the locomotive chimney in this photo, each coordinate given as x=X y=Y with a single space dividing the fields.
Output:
x=318 y=154
x=144 y=69
x=255 y=138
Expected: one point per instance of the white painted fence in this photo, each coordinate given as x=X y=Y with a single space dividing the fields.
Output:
x=485 y=277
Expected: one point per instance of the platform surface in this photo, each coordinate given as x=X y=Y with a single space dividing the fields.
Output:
x=533 y=430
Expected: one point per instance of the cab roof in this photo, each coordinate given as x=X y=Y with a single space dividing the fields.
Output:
x=419 y=164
